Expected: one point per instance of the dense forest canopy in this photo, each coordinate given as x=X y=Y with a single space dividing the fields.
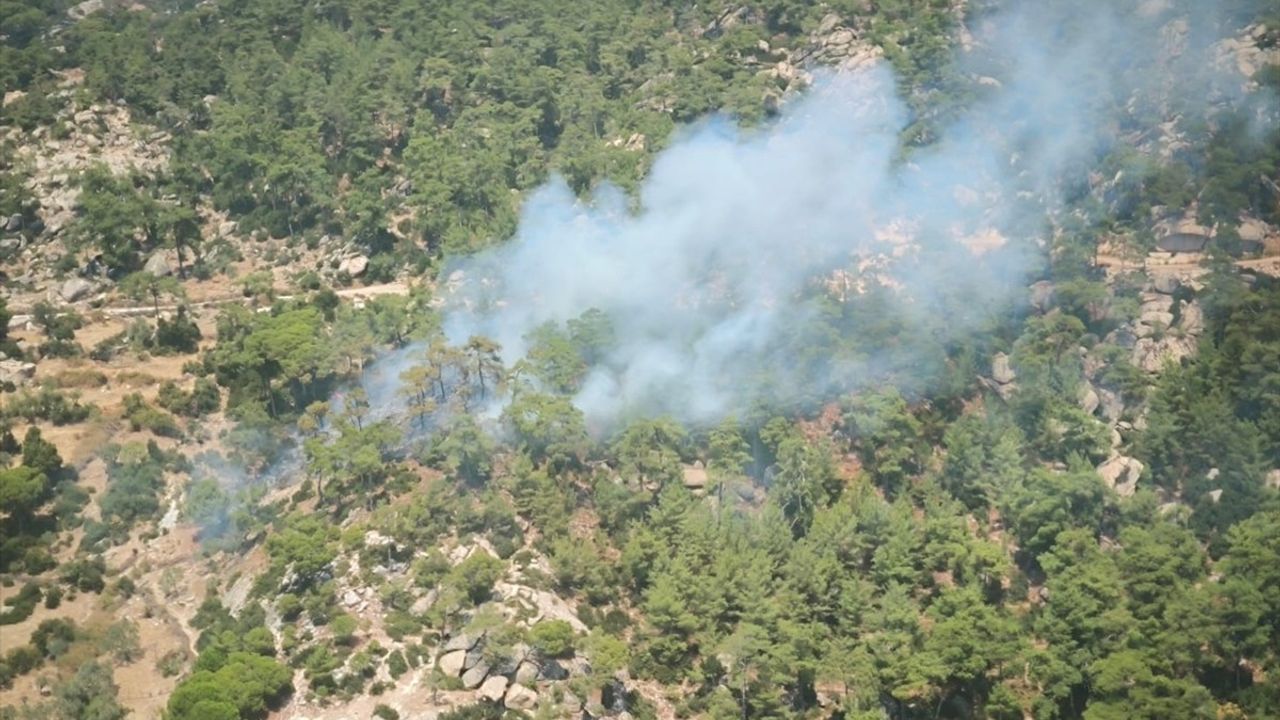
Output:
x=1023 y=475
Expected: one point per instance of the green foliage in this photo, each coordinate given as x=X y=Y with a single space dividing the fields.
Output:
x=305 y=546
x=135 y=476
x=46 y=403
x=59 y=326
x=203 y=398
x=552 y=638
x=247 y=685
x=142 y=416
x=475 y=576
x=21 y=605
x=549 y=428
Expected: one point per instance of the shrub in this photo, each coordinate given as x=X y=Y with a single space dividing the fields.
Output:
x=344 y=629
x=121 y=642
x=396 y=664
x=21 y=605
x=552 y=638
x=202 y=399
x=475 y=576
x=142 y=416
x=47 y=403
x=179 y=335
x=85 y=574
x=51 y=637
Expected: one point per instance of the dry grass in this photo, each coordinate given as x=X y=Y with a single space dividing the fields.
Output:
x=79 y=378
x=135 y=379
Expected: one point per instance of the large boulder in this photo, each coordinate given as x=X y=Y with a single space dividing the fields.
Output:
x=354 y=266
x=526 y=673
x=493 y=689
x=1042 y=295
x=1191 y=318
x=1089 y=399
x=451 y=662
x=695 y=476
x=1150 y=354
x=1165 y=284
x=75 y=289
x=520 y=697
x=472 y=678
x=1121 y=474
x=158 y=264
x=16 y=372
x=1112 y=404
x=1001 y=371
x=462 y=641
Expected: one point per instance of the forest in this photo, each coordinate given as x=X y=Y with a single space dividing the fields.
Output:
x=1069 y=510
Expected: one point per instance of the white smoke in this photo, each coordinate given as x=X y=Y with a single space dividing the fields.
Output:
x=711 y=275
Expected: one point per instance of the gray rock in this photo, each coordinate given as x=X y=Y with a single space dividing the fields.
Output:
x=451 y=662
x=1156 y=318
x=1165 y=284
x=75 y=289
x=472 y=678
x=1121 y=474
x=354 y=266
x=1001 y=371
x=1191 y=318
x=1112 y=404
x=493 y=689
x=1042 y=295
x=462 y=641
x=695 y=475
x=526 y=673
x=1089 y=399
x=158 y=264
x=16 y=372
x=13 y=223
x=828 y=23
x=1150 y=355
x=520 y=697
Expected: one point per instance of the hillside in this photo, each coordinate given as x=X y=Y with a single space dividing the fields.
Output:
x=639 y=359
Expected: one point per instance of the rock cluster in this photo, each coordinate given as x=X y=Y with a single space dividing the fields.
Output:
x=510 y=676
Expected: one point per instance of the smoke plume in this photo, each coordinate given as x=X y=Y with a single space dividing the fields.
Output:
x=749 y=255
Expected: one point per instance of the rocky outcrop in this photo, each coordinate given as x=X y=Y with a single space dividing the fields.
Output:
x=537 y=605
x=1042 y=296
x=1121 y=474
x=694 y=476
x=1001 y=370
x=354 y=266
x=15 y=372
x=1089 y=399
x=159 y=264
